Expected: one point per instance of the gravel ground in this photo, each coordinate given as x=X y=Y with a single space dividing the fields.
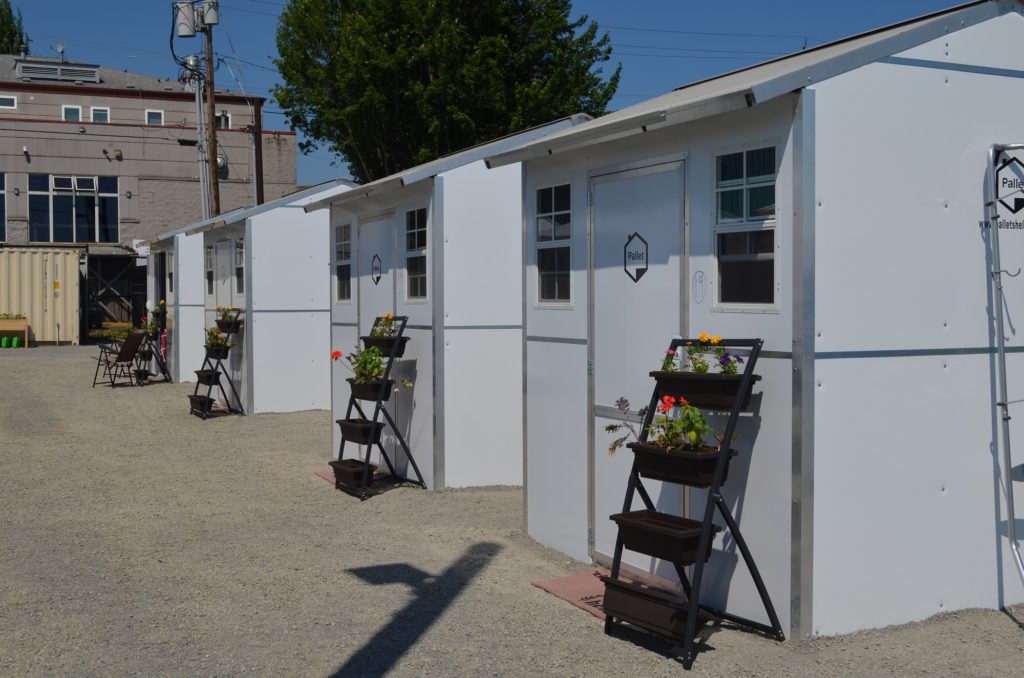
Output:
x=137 y=540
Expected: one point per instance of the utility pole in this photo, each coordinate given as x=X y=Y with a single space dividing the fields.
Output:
x=211 y=115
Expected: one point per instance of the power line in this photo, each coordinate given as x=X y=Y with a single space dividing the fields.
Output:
x=695 y=49
x=232 y=8
x=728 y=35
x=687 y=56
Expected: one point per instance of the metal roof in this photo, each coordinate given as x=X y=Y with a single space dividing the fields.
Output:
x=297 y=199
x=756 y=84
x=449 y=162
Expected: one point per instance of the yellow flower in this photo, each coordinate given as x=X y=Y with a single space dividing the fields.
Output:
x=388 y=316
x=230 y=309
x=703 y=336
x=163 y=303
x=218 y=307
x=716 y=339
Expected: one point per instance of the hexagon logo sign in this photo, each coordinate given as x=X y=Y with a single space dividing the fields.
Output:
x=1010 y=185
x=634 y=257
x=375 y=267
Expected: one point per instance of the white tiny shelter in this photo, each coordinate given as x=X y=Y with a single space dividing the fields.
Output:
x=271 y=261
x=441 y=243
x=831 y=202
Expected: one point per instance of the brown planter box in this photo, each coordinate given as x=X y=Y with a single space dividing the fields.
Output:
x=141 y=376
x=16 y=327
x=200 y=404
x=657 y=611
x=371 y=389
x=661 y=535
x=360 y=431
x=695 y=468
x=208 y=377
x=712 y=390
x=229 y=326
x=385 y=344
x=217 y=352
x=350 y=472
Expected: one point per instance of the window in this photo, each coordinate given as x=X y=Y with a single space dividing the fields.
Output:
x=154 y=117
x=71 y=113
x=343 y=261
x=209 y=270
x=223 y=120
x=72 y=209
x=416 y=253
x=745 y=231
x=3 y=208
x=170 y=272
x=100 y=114
x=8 y=101
x=240 y=266
x=554 y=230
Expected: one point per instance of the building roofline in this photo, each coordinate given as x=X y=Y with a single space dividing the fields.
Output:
x=126 y=92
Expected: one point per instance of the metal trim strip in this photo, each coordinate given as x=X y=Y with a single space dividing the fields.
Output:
x=436 y=298
x=947 y=66
x=482 y=327
x=913 y=352
x=556 y=340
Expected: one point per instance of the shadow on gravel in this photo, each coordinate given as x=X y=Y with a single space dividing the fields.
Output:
x=433 y=596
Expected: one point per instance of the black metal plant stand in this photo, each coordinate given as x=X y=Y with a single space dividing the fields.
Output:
x=356 y=476
x=150 y=351
x=681 y=541
x=212 y=375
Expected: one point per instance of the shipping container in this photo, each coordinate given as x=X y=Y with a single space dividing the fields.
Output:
x=42 y=284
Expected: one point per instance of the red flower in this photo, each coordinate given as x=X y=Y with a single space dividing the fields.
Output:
x=335 y=355
x=683 y=402
x=667 y=403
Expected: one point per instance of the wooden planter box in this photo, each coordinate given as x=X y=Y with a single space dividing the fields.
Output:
x=661 y=535
x=657 y=611
x=712 y=390
x=686 y=467
x=349 y=472
x=360 y=431
x=17 y=328
x=385 y=344
x=371 y=389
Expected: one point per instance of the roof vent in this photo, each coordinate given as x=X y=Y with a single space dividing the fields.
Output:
x=43 y=70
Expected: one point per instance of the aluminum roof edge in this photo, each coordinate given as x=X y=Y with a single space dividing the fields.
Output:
x=762 y=82
x=450 y=162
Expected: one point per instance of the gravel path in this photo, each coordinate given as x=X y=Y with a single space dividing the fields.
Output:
x=137 y=540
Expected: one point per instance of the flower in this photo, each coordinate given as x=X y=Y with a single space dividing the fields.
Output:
x=716 y=340
x=163 y=303
x=667 y=403
x=218 y=307
x=704 y=337
x=336 y=355
x=670 y=352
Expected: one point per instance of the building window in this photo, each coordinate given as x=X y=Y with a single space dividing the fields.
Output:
x=240 y=266
x=67 y=209
x=8 y=101
x=209 y=270
x=3 y=208
x=223 y=120
x=416 y=253
x=343 y=262
x=154 y=117
x=100 y=114
x=554 y=230
x=745 y=226
x=170 y=272
x=71 y=113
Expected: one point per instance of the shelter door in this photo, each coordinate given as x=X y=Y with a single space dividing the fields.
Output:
x=376 y=270
x=637 y=224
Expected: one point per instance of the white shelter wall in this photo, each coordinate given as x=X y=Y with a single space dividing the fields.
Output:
x=186 y=336
x=290 y=258
x=291 y=352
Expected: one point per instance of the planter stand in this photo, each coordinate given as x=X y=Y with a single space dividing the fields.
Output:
x=212 y=375
x=356 y=476
x=677 y=540
x=150 y=353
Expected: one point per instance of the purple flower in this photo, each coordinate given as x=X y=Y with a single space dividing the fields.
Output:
x=724 y=360
x=739 y=359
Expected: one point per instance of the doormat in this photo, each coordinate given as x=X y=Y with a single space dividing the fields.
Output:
x=584 y=590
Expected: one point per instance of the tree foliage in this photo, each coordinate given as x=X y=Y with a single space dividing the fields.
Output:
x=391 y=84
x=12 y=31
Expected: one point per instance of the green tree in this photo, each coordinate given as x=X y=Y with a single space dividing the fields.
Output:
x=12 y=31
x=390 y=84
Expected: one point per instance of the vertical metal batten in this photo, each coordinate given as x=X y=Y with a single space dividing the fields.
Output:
x=997 y=302
x=591 y=387
x=250 y=320
x=525 y=332
x=437 y=336
x=802 y=509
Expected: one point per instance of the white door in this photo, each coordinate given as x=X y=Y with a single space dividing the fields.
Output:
x=376 y=270
x=637 y=224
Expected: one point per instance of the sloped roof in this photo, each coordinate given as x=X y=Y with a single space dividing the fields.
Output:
x=449 y=162
x=756 y=84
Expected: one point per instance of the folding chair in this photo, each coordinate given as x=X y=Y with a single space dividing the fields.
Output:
x=120 y=364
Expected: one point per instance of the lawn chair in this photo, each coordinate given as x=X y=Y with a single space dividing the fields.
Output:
x=119 y=363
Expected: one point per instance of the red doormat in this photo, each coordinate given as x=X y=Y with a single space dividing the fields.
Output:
x=327 y=475
x=584 y=590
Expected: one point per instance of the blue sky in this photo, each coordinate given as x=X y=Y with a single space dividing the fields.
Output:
x=661 y=44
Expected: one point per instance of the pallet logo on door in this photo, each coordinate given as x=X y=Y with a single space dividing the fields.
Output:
x=634 y=257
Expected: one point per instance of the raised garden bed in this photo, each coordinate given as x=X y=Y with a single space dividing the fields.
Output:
x=349 y=472
x=709 y=390
x=658 y=611
x=360 y=431
x=370 y=390
x=689 y=467
x=200 y=404
x=228 y=326
x=385 y=344
x=208 y=377
x=661 y=535
x=217 y=352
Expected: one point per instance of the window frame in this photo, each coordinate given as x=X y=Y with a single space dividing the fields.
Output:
x=340 y=261
x=170 y=274
x=555 y=243
x=417 y=253
x=238 y=252
x=746 y=224
x=64 y=108
x=154 y=124
x=3 y=207
x=12 y=107
x=92 y=114
x=217 y=119
x=208 y=267
x=72 y=189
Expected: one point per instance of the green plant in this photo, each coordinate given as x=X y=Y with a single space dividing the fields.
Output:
x=226 y=312
x=676 y=425
x=215 y=338
x=385 y=327
x=366 y=364
x=668 y=363
x=12 y=316
x=623 y=406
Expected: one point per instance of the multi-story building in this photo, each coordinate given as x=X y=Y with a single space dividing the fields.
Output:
x=99 y=159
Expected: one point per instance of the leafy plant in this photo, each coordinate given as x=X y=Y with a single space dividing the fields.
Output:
x=385 y=327
x=367 y=364
x=668 y=363
x=676 y=425
x=623 y=406
x=226 y=313
x=12 y=316
x=215 y=338
x=728 y=363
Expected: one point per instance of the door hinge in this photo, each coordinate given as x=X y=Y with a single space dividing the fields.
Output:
x=590 y=368
x=590 y=536
x=590 y=198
